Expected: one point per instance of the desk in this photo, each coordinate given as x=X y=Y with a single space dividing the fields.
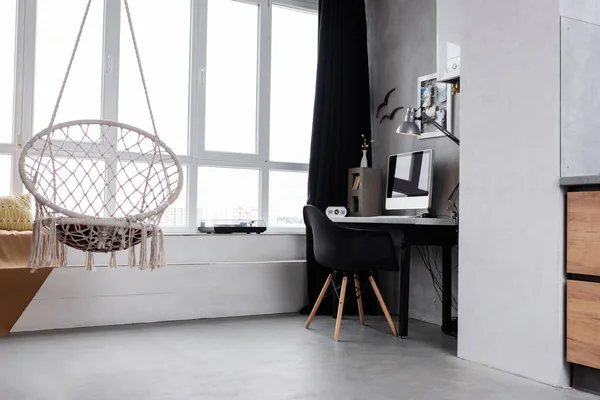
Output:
x=416 y=231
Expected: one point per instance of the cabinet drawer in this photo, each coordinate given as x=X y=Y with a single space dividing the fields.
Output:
x=583 y=323
x=583 y=233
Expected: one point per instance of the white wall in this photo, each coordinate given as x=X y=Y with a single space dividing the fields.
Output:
x=583 y=10
x=207 y=277
x=511 y=279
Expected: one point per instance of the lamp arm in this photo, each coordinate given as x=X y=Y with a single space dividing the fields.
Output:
x=425 y=118
x=452 y=199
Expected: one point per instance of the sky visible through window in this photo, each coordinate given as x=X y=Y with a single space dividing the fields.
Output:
x=56 y=30
x=287 y=197
x=293 y=76
x=227 y=193
x=163 y=36
x=231 y=76
x=6 y=168
x=7 y=47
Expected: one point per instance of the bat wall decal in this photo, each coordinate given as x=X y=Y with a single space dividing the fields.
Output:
x=391 y=115
x=385 y=102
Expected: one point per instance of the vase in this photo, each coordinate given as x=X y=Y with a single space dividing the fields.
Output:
x=364 y=163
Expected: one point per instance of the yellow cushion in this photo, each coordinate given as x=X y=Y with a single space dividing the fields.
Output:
x=15 y=213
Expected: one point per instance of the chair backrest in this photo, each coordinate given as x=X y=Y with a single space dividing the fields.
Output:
x=101 y=169
x=327 y=236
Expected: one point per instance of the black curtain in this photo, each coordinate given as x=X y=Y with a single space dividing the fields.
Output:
x=341 y=116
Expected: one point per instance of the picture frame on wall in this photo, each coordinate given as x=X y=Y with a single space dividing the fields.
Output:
x=436 y=100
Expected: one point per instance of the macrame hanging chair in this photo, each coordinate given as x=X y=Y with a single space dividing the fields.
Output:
x=99 y=186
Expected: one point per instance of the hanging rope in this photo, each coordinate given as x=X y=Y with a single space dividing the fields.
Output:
x=140 y=68
x=141 y=71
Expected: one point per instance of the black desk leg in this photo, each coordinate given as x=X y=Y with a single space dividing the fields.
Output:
x=447 y=289
x=404 y=290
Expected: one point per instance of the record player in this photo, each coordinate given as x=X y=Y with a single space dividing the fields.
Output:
x=232 y=226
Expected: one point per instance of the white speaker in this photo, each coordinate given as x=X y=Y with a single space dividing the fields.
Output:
x=333 y=211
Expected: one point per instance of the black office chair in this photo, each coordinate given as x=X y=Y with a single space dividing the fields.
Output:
x=349 y=251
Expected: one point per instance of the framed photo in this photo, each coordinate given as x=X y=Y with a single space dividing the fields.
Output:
x=436 y=102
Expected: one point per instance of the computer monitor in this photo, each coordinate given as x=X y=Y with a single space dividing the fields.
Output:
x=409 y=181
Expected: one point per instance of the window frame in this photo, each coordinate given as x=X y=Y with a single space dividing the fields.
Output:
x=197 y=155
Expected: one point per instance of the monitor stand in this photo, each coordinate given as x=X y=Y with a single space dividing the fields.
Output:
x=428 y=214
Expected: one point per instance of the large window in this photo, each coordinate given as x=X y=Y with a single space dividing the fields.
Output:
x=231 y=83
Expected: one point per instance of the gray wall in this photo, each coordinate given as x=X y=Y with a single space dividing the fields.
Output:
x=402 y=47
x=511 y=273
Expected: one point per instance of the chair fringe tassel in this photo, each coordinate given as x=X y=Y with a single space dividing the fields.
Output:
x=47 y=251
x=89 y=264
x=113 y=260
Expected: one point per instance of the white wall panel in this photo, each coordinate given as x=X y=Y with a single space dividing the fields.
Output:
x=511 y=275
x=73 y=297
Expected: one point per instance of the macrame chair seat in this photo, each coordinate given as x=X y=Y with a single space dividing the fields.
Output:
x=98 y=238
x=99 y=186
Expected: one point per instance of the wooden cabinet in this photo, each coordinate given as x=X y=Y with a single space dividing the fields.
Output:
x=583 y=287
x=583 y=233
x=583 y=323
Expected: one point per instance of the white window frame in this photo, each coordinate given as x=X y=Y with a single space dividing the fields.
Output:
x=21 y=89
x=197 y=155
x=260 y=160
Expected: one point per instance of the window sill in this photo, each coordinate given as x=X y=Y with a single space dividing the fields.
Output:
x=269 y=232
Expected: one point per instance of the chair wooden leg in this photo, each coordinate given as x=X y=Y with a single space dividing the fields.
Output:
x=383 y=306
x=361 y=314
x=338 y=321
x=318 y=302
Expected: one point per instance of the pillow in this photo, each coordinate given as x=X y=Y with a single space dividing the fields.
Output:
x=15 y=213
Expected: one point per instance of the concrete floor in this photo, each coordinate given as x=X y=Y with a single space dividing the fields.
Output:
x=252 y=358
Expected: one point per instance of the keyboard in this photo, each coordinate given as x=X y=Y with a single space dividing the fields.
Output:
x=394 y=216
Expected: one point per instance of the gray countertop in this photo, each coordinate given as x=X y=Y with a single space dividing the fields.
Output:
x=580 y=180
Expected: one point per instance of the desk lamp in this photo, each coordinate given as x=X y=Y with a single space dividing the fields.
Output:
x=409 y=127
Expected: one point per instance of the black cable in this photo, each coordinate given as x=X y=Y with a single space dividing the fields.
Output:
x=430 y=269
x=435 y=256
x=437 y=285
x=454 y=300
